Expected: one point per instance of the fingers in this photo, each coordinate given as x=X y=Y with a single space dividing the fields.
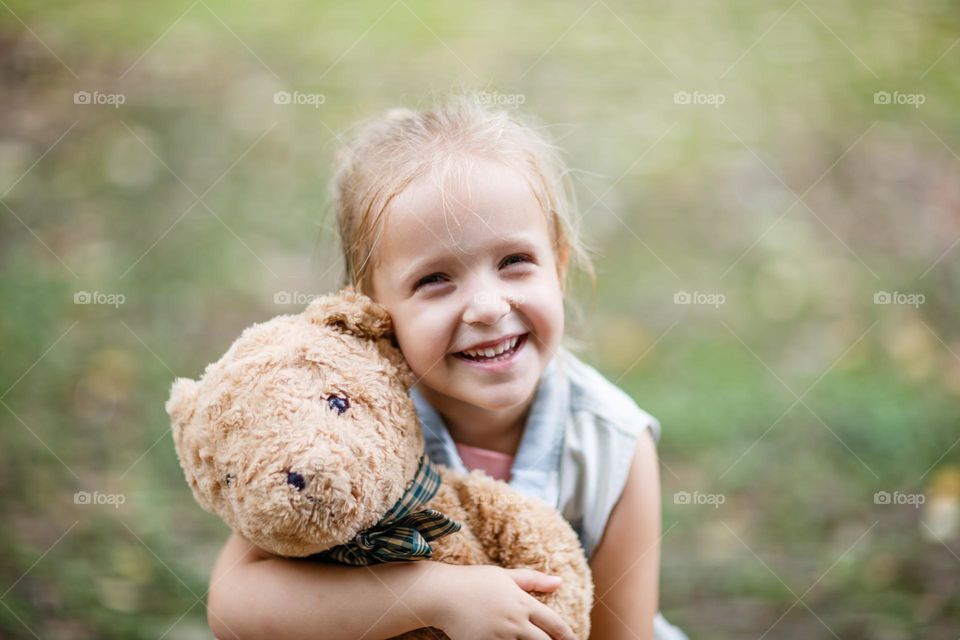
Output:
x=552 y=624
x=530 y=580
x=533 y=633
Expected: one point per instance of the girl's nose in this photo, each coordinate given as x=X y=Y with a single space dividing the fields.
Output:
x=486 y=307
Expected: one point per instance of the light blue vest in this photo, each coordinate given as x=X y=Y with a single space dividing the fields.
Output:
x=575 y=452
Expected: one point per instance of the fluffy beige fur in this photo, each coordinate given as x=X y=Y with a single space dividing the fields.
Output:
x=261 y=411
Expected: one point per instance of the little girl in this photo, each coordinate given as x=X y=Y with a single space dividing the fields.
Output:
x=458 y=221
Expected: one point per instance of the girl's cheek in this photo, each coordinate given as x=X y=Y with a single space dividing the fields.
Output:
x=428 y=329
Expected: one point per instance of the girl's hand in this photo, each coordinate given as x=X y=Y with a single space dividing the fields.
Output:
x=489 y=602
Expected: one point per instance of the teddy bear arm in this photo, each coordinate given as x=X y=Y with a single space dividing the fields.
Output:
x=517 y=531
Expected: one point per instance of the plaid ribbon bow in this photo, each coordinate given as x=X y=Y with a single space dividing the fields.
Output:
x=403 y=533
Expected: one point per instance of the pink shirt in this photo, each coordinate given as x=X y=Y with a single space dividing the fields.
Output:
x=494 y=463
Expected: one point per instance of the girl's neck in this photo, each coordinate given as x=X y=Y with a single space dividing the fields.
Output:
x=497 y=429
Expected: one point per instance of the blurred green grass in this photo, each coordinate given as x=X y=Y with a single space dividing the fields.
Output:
x=674 y=197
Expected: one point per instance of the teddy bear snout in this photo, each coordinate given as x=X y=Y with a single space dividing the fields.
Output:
x=321 y=493
x=319 y=485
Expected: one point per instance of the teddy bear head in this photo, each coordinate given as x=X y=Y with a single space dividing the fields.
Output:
x=303 y=434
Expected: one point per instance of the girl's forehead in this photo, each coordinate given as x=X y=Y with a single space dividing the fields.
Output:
x=491 y=202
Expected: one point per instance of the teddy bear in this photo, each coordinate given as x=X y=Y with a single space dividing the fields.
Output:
x=303 y=438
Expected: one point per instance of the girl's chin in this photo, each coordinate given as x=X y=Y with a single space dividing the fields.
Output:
x=498 y=401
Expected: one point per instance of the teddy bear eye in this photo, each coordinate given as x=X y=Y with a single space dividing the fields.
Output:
x=296 y=480
x=338 y=403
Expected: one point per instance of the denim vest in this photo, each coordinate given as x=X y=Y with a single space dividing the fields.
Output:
x=536 y=466
x=575 y=452
x=576 y=448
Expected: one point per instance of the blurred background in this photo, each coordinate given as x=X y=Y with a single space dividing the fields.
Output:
x=772 y=190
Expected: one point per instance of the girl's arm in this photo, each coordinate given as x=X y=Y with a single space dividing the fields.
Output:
x=626 y=564
x=254 y=594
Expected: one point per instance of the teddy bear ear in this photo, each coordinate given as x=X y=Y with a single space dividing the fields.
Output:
x=351 y=312
x=187 y=441
x=183 y=400
x=401 y=370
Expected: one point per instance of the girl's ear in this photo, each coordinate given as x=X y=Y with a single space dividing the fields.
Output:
x=351 y=312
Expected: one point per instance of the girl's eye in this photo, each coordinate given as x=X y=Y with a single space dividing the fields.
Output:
x=517 y=258
x=430 y=279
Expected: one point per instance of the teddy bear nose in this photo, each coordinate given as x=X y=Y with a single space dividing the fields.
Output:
x=294 y=479
x=338 y=403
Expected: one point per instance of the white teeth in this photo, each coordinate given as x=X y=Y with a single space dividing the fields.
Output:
x=495 y=350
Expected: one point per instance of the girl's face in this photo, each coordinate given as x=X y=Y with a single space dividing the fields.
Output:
x=471 y=282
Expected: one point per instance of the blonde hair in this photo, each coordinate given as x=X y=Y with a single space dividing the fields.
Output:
x=387 y=154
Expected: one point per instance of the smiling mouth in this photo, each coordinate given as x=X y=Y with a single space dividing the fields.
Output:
x=500 y=351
